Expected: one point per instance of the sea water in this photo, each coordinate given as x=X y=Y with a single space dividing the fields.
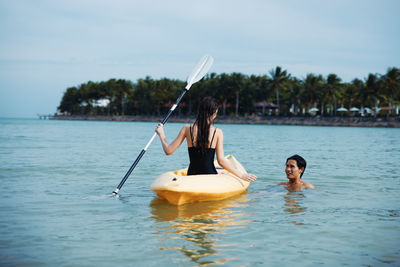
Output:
x=56 y=207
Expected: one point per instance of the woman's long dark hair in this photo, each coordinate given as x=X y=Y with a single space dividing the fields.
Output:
x=207 y=108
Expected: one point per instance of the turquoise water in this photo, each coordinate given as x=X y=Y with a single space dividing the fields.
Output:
x=56 y=207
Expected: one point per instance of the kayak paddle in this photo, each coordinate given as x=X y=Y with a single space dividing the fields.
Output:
x=198 y=72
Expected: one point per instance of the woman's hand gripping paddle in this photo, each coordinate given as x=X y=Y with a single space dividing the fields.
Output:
x=198 y=72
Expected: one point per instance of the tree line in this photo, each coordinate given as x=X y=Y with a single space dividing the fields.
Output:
x=275 y=93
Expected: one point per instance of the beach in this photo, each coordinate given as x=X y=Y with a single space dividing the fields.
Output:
x=341 y=121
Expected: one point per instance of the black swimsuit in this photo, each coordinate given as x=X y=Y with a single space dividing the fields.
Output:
x=201 y=160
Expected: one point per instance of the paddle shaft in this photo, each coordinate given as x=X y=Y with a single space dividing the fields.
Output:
x=149 y=143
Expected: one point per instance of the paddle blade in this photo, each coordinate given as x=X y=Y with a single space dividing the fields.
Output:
x=200 y=70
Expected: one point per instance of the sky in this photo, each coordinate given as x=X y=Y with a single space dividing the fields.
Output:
x=47 y=46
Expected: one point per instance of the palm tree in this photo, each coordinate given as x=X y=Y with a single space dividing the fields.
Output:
x=237 y=80
x=279 y=81
x=223 y=88
x=261 y=89
x=372 y=87
x=250 y=93
x=324 y=97
x=295 y=94
x=312 y=86
x=143 y=95
x=227 y=91
x=352 y=92
x=362 y=93
x=333 y=86
x=163 y=92
x=391 y=85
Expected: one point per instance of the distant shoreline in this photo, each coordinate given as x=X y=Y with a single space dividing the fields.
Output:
x=268 y=120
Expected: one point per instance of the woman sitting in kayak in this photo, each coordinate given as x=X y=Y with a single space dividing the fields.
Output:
x=295 y=167
x=204 y=141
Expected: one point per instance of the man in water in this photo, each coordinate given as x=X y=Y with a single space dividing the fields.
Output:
x=295 y=167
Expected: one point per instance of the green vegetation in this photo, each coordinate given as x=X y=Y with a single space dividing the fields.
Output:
x=240 y=95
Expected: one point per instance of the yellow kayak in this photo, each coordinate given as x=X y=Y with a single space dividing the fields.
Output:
x=179 y=188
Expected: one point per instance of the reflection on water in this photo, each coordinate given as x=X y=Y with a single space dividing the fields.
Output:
x=199 y=226
x=294 y=204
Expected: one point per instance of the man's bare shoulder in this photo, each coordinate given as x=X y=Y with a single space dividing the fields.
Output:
x=308 y=185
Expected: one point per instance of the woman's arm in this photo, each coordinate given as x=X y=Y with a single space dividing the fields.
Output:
x=224 y=163
x=170 y=148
